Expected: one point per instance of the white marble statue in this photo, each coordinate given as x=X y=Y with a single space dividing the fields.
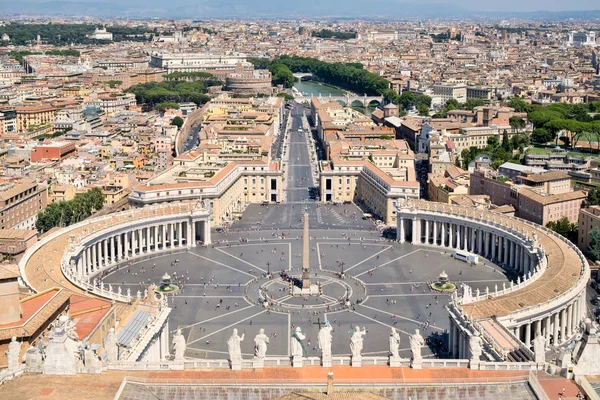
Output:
x=539 y=349
x=356 y=342
x=110 y=346
x=260 y=344
x=179 y=345
x=233 y=346
x=416 y=342
x=394 y=342
x=475 y=347
x=296 y=342
x=12 y=354
x=324 y=339
x=33 y=359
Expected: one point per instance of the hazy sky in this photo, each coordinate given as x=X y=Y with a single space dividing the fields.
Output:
x=528 y=5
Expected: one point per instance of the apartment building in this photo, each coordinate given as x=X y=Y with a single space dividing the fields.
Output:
x=20 y=202
x=589 y=218
x=52 y=151
x=444 y=187
x=30 y=117
x=374 y=174
x=443 y=93
x=537 y=197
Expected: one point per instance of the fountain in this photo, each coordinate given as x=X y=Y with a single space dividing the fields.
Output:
x=443 y=285
x=166 y=286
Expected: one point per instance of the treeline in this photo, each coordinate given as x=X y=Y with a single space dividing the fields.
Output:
x=64 y=34
x=70 y=212
x=176 y=76
x=549 y=121
x=499 y=152
x=18 y=55
x=153 y=93
x=351 y=76
x=329 y=34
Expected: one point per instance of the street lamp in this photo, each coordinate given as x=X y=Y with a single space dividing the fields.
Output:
x=268 y=269
x=342 y=265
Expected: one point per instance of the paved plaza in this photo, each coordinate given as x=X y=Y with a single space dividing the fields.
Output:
x=218 y=292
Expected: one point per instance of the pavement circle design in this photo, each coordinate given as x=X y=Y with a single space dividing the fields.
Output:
x=337 y=293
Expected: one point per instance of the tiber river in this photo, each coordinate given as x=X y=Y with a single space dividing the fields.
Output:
x=312 y=88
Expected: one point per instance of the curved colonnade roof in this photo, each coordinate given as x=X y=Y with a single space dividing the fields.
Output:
x=562 y=273
x=42 y=271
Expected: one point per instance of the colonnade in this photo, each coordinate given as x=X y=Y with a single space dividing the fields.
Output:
x=124 y=243
x=556 y=321
x=560 y=324
x=499 y=247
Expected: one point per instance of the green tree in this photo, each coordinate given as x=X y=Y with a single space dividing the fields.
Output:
x=505 y=141
x=281 y=75
x=423 y=100
x=564 y=227
x=470 y=104
x=177 y=121
x=423 y=110
x=492 y=141
x=516 y=122
x=519 y=104
x=541 y=135
x=167 y=105
x=407 y=99
x=593 y=249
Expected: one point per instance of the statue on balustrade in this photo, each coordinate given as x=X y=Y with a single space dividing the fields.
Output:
x=110 y=346
x=324 y=340
x=475 y=347
x=179 y=345
x=539 y=349
x=394 y=342
x=356 y=342
x=416 y=342
x=12 y=354
x=234 y=348
x=296 y=342
x=260 y=344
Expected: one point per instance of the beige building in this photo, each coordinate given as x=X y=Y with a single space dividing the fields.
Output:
x=20 y=202
x=536 y=197
x=31 y=117
x=374 y=174
x=589 y=218
x=444 y=187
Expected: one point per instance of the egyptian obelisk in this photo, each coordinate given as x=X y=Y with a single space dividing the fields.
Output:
x=306 y=255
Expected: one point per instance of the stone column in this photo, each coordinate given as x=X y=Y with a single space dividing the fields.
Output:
x=105 y=245
x=511 y=259
x=443 y=234
x=435 y=232
x=126 y=244
x=193 y=233
x=119 y=248
x=479 y=241
x=506 y=251
x=527 y=334
x=171 y=235
x=84 y=261
x=426 y=231
x=563 y=325
x=402 y=233
x=113 y=258
x=569 y=321
x=555 y=327
x=134 y=242
x=93 y=262
x=207 y=238
x=473 y=237
x=414 y=231
x=450 y=234
x=547 y=330
x=188 y=237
